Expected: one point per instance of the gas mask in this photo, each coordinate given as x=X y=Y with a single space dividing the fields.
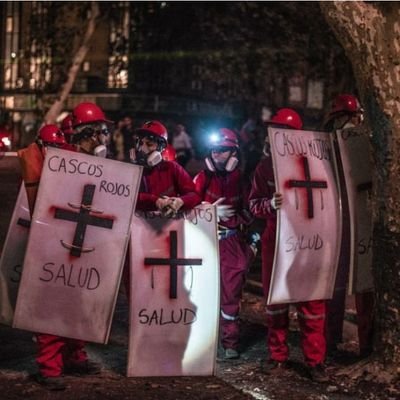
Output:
x=227 y=165
x=98 y=137
x=101 y=149
x=147 y=152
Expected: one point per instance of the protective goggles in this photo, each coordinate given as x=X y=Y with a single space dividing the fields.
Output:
x=140 y=140
x=87 y=131
x=221 y=149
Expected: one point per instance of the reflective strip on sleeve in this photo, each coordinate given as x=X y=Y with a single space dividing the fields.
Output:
x=229 y=317
x=304 y=316
x=277 y=312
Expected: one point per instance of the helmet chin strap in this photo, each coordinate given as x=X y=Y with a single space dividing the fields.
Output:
x=209 y=164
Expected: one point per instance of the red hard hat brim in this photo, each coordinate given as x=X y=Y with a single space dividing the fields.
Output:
x=104 y=121
x=141 y=131
x=270 y=122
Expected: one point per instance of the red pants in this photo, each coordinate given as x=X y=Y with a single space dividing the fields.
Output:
x=311 y=316
x=235 y=259
x=55 y=352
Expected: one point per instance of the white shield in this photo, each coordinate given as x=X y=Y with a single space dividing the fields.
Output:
x=12 y=257
x=76 y=247
x=174 y=304
x=308 y=224
x=355 y=157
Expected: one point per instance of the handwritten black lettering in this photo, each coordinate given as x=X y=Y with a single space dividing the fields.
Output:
x=364 y=246
x=346 y=134
x=73 y=163
x=289 y=144
x=73 y=166
x=298 y=243
x=50 y=163
x=18 y=270
x=183 y=316
x=48 y=271
x=115 y=188
x=81 y=170
x=71 y=276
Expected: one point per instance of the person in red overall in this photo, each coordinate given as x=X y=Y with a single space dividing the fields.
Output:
x=57 y=355
x=223 y=182
x=264 y=201
x=53 y=351
x=346 y=112
x=91 y=129
x=165 y=185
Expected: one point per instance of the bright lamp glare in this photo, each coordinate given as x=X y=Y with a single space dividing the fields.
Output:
x=6 y=141
x=214 y=137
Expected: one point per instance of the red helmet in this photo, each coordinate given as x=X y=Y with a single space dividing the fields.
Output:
x=169 y=154
x=154 y=129
x=66 y=125
x=50 y=135
x=346 y=103
x=225 y=138
x=87 y=113
x=287 y=116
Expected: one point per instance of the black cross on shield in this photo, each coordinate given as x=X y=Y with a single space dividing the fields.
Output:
x=309 y=185
x=83 y=218
x=173 y=262
x=24 y=222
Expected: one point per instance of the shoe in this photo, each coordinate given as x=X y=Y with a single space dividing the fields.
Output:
x=231 y=354
x=83 y=368
x=53 y=383
x=275 y=367
x=318 y=373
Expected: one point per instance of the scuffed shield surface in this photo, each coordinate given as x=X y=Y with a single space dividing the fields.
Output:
x=12 y=257
x=309 y=228
x=76 y=248
x=355 y=157
x=174 y=310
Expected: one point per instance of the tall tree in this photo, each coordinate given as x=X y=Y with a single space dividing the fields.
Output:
x=370 y=34
x=77 y=59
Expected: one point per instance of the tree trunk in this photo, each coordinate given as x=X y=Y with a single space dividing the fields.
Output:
x=370 y=35
x=77 y=60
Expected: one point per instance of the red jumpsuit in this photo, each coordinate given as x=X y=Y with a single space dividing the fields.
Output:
x=54 y=352
x=167 y=178
x=235 y=254
x=311 y=314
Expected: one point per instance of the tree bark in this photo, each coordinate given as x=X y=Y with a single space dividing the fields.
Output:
x=56 y=108
x=370 y=34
